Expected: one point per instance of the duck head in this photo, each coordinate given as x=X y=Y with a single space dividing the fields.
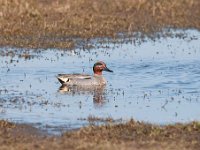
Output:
x=99 y=67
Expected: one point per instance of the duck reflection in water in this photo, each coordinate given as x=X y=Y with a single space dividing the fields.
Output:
x=99 y=94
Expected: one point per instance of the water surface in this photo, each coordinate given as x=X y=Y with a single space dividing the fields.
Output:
x=155 y=81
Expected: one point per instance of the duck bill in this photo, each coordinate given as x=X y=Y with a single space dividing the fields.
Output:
x=108 y=70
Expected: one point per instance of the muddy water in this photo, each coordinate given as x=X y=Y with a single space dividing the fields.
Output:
x=154 y=81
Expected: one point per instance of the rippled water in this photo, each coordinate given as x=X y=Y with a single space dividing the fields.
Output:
x=154 y=81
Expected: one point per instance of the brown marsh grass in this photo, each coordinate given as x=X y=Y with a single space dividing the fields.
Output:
x=130 y=135
x=57 y=23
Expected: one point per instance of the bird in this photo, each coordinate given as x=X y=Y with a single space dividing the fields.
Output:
x=85 y=80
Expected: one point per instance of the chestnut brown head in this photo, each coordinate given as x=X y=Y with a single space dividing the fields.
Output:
x=99 y=67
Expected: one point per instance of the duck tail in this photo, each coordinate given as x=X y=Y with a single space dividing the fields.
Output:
x=60 y=80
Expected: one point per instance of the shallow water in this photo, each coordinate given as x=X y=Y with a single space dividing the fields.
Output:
x=155 y=81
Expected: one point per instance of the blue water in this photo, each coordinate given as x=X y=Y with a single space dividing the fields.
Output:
x=154 y=81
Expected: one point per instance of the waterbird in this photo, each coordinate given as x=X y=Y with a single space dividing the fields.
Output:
x=85 y=80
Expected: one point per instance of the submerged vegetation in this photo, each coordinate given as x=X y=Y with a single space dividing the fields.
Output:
x=60 y=23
